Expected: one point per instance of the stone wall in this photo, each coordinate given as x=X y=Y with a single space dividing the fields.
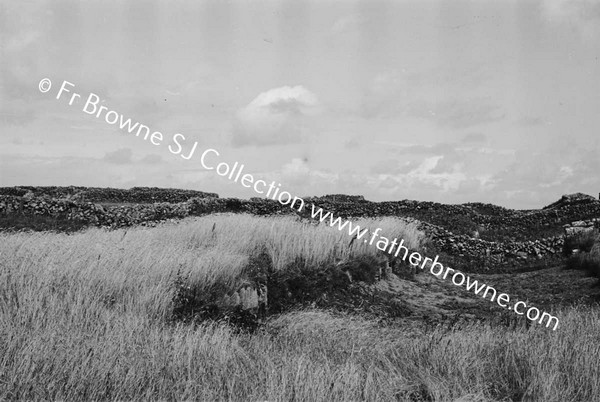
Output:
x=486 y=221
x=496 y=252
x=582 y=226
x=455 y=234
x=341 y=198
x=134 y=195
x=127 y=215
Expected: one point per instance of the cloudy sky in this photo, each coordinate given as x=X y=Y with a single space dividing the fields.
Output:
x=492 y=101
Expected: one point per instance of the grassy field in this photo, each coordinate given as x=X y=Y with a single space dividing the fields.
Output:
x=89 y=315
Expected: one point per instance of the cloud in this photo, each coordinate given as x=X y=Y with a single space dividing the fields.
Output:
x=554 y=170
x=275 y=117
x=120 y=157
x=447 y=164
x=394 y=166
x=387 y=179
x=445 y=158
x=299 y=173
x=152 y=159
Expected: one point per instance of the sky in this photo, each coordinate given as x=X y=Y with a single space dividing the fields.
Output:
x=453 y=102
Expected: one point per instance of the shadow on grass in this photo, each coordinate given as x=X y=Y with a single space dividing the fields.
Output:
x=296 y=287
x=38 y=223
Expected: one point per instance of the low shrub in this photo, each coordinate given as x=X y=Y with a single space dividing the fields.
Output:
x=582 y=241
x=586 y=261
x=363 y=268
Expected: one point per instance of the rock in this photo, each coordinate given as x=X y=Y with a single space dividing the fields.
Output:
x=248 y=298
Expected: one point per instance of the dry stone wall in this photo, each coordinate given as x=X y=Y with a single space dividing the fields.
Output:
x=127 y=215
x=136 y=195
x=582 y=226
x=496 y=252
x=451 y=228
x=475 y=219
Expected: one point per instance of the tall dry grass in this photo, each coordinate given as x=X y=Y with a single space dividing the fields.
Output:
x=86 y=316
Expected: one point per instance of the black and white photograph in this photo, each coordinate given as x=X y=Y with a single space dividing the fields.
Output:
x=300 y=200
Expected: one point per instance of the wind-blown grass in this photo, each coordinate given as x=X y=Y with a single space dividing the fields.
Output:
x=86 y=316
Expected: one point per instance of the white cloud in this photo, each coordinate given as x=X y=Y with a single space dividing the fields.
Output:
x=302 y=179
x=277 y=116
x=299 y=173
